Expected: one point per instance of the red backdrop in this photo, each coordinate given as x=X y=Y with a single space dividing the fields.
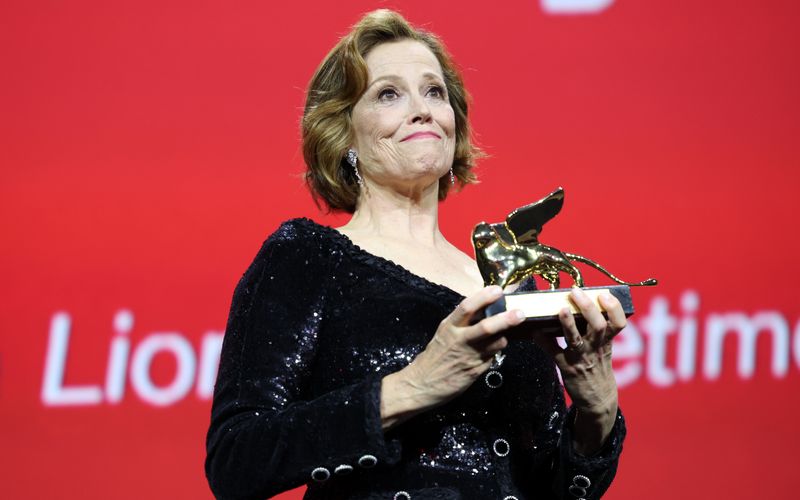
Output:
x=147 y=149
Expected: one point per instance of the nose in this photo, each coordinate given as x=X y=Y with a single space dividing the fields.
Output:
x=419 y=112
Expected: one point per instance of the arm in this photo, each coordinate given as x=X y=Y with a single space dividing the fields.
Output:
x=586 y=476
x=594 y=429
x=587 y=373
x=265 y=435
x=458 y=353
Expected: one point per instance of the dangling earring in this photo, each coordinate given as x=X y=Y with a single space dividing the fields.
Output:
x=352 y=159
x=452 y=177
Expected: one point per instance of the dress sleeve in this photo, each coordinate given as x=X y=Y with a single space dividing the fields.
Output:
x=586 y=477
x=266 y=434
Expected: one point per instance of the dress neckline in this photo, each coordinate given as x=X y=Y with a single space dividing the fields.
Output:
x=388 y=266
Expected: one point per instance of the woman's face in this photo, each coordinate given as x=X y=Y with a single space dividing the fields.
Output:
x=404 y=125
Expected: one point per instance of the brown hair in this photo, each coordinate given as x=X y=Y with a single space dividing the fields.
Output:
x=338 y=84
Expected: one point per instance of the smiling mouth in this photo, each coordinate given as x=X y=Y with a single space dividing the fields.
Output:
x=421 y=135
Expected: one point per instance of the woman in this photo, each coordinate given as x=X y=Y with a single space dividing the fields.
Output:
x=355 y=359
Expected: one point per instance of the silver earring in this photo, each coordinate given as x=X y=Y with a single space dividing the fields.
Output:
x=358 y=177
x=352 y=159
x=452 y=177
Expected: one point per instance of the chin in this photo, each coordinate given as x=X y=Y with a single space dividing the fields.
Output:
x=432 y=164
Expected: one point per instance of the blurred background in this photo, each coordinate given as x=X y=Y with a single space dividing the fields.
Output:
x=147 y=149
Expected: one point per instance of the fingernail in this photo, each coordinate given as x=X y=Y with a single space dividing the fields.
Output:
x=577 y=293
x=606 y=297
x=519 y=314
x=496 y=291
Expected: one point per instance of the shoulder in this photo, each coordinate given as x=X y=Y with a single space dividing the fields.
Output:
x=293 y=231
x=302 y=234
x=297 y=241
x=295 y=254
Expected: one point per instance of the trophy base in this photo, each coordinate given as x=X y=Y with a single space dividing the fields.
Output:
x=541 y=308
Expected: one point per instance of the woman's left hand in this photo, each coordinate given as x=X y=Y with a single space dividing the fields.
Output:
x=585 y=366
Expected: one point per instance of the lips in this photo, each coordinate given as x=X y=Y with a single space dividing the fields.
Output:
x=421 y=135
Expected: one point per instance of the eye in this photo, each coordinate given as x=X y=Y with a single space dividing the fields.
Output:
x=436 y=91
x=387 y=94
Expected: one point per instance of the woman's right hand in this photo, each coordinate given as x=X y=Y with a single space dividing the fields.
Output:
x=459 y=353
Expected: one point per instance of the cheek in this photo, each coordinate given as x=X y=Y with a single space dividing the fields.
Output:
x=448 y=121
x=376 y=138
x=378 y=126
x=369 y=125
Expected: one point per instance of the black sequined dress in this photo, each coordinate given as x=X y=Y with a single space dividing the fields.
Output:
x=315 y=324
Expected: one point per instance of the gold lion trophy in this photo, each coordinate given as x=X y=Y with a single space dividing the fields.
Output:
x=509 y=252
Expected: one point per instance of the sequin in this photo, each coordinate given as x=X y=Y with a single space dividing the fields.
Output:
x=461 y=448
x=315 y=324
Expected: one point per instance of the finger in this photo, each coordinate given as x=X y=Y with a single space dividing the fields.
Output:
x=589 y=310
x=616 y=315
x=570 y=329
x=492 y=325
x=492 y=346
x=474 y=303
x=485 y=365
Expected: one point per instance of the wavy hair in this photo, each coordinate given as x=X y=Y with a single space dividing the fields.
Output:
x=339 y=83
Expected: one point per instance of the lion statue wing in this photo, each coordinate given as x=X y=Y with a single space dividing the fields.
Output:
x=524 y=224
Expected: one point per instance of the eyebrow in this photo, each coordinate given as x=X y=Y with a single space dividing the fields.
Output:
x=427 y=74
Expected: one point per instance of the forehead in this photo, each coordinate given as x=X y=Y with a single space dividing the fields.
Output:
x=399 y=57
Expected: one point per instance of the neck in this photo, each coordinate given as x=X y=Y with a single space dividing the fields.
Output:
x=391 y=215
